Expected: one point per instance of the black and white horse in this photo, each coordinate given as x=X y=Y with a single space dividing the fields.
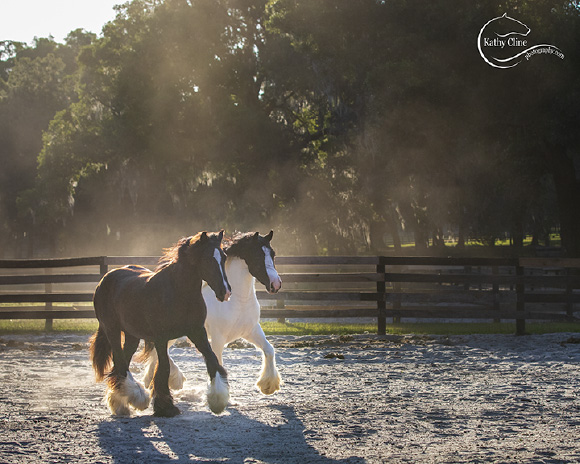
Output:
x=133 y=303
x=249 y=257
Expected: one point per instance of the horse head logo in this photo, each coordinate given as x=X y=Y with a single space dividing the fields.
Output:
x=502 y=43
x=506 y=26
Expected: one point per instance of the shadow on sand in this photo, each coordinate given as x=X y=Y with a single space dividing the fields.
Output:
x=203 y=437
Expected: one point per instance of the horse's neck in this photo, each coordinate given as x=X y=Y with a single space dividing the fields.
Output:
x=187 y=283
x=241 y=281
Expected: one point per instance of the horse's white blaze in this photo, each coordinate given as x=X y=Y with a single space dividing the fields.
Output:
x=218 y=394
x=218 y=257
x=275 y=280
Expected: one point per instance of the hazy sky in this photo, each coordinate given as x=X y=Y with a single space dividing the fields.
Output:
x=22 y=20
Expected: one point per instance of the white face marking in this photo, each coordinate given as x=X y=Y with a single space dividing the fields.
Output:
x=218 y=257
x=275 y=280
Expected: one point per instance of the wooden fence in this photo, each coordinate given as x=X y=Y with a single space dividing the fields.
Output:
x=384 y=288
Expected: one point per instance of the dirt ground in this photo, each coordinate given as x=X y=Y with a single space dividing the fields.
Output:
x=417 y=399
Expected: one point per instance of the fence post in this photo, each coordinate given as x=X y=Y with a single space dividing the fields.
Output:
x=382 y=300
x=280 y=305
x=104 y=267
x=569 y=291
x=495 y=290
x=48 y=304
x=520 y=303
x=397 y=301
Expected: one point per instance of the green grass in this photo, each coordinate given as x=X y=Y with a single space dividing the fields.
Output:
x=470 y=328
x=306 y=328
x=23 y=326
x=88 y=326
x=447 y=328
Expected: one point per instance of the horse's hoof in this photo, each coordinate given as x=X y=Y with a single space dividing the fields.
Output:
x=163 y=406
x=269 y=386
x=167 y=412
x=120 y=410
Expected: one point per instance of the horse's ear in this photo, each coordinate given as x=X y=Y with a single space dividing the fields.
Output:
x=269 y=236
x=203 y=237
x=256 y=235
x=221 y=235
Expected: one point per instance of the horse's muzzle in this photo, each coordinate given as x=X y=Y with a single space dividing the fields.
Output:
x=226 y=296
x=275 y=286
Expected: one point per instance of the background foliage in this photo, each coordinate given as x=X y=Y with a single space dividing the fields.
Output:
x=348 y=126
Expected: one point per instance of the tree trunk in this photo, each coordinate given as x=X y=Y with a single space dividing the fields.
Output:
x=568 y=197
x=377 y=230
x=393 y=228
x=517 y=234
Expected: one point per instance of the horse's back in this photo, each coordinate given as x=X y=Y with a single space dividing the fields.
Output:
x=132 y=275
x=118 y=285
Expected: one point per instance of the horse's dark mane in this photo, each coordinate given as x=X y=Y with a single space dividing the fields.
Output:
x=235 y=239
x=234 y=245
x=171 y=254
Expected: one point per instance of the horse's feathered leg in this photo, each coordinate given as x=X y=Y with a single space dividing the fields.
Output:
x=218 y=393
x=123 y=391
x=176 y=377
x=162 y=400
x=116 y=397
x=137 y=396
x=269 y=381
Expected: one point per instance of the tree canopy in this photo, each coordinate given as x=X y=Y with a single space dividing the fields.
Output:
x=348 y=127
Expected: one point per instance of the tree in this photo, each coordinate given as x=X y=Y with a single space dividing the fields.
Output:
x=35 y=83
x=342 y=123
x=434 y=136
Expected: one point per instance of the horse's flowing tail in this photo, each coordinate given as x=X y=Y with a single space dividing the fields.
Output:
x=101 y=354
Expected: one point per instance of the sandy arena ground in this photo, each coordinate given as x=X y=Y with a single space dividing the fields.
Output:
x=485 y=398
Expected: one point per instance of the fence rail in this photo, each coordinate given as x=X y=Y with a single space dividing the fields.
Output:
x=339 y=286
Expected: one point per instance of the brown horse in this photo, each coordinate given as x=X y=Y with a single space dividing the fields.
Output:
x=158 y=306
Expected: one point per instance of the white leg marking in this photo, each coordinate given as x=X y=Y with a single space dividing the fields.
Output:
x=117 y=403
x=137 y=396
x=176 y=377
x=269 y=380
x=129 y=393
x=217 y=345
x=150 y=369
x=218 y=394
